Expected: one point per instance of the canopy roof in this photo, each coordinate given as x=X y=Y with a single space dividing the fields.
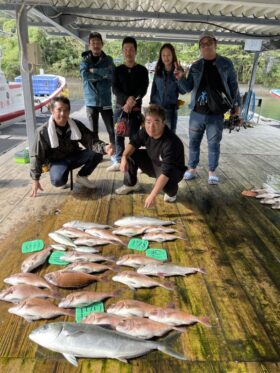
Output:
x=162 y=20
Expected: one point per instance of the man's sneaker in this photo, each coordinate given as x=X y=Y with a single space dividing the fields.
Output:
x=83 y=180
x=167 y=198
x=125 y=189
x=115 y=167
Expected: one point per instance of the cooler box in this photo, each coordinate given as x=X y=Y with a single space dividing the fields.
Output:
x=42 y=84
x=22 y=156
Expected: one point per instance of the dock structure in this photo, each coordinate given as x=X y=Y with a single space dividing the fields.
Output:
x=235 y=239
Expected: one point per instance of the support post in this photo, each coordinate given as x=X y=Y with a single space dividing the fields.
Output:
x=22 y=32
x=252 y=83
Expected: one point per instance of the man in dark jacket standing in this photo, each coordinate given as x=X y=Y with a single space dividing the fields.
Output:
x=57 y=145
x=130 y=84
x=96 y=70
x=163 y=158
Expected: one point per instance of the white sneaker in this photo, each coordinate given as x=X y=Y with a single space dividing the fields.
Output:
x=65 y=186
x=115 y=167
x=167 y=198
x=139 y=171
x=125 y=189
x=83 y=180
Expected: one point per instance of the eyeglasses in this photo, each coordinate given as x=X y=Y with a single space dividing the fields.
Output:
x=206 y=44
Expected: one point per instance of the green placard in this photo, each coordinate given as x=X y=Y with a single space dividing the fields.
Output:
x=55 y=258
x=32 y=246
x=159 y=254
x=81 y=313
x=138 y=244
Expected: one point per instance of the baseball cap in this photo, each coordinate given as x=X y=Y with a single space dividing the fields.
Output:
x=95 y=34
x=207 y=34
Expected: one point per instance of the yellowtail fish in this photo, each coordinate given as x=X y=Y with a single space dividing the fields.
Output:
x=93 y=341
x=93 y=241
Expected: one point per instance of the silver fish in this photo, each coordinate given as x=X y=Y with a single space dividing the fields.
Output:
x=159 y=229
x=57 y=237
x=93 y=241
x=135 y=260
x=36 y=309
x=103 y=234
x=134 y=280
x=131 y=307
x=58 y=247
x=144 y=328
x=167 y=269
x=28 y=279
x=86 y=249
x=276 y=206
x=35 y=260
x=88 y=267
x=72 y=232
x=84 y=298
x=17 y=293
x=268 y=195
x=129 y=231
x=92 y=341
x=84 y=225
x=141 y=220
x=270 y=201
x=161 y=237
x=84 y=257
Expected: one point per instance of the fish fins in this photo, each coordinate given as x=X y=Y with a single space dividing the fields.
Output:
x=205 y=321
x=107 y=326
x=71 y=358
x=122 y=360
x=167 y=285
x=164 y=346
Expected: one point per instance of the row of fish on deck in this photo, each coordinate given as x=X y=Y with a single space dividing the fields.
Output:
x=266 y=195
x=132 y=323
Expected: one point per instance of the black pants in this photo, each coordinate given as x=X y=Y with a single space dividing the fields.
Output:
x=140 y=159
x=107 y=116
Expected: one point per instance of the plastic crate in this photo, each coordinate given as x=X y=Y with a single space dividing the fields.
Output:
x=42 y=84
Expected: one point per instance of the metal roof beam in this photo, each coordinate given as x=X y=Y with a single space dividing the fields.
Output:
x=181 y=17
x=162 y=32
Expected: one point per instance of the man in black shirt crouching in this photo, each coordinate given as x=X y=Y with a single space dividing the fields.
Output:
x=163 y=158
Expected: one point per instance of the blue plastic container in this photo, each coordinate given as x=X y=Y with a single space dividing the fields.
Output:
x=42 y=84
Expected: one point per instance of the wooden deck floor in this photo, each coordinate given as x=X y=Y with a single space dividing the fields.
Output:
x=235 y=239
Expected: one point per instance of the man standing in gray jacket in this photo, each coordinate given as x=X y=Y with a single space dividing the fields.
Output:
x=96 y=70
x=212 y=81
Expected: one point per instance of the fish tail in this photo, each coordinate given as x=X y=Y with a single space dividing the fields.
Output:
x=55 y=292
x=69 y=312
x=167 y=285
x=103 y=278
x=204 y=321
x=202 y=270
x=166 y=348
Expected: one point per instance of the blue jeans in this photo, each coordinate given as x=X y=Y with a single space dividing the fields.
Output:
x=171 y=117
x=213 y=124
x=135 y=120
x=59 y=170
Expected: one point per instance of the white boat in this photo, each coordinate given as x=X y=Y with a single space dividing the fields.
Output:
x=11 y=97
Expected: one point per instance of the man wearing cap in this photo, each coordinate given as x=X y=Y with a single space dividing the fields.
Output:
x=96 y=70
x=213 y=83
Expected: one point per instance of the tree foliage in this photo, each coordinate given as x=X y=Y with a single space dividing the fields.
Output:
x=62 y=55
